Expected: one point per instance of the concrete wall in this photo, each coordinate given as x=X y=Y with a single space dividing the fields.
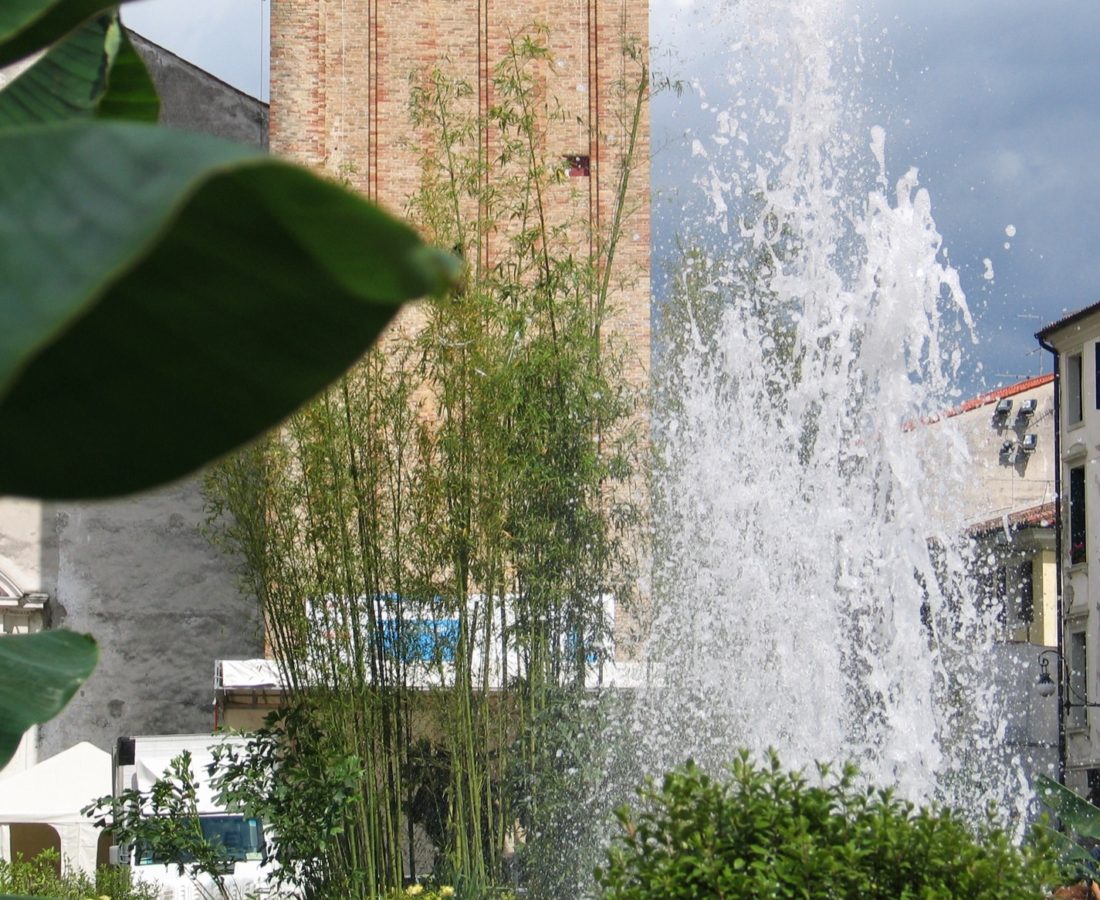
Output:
x=998 y=483
x=163 y=604
x=28 y=547
x=195 y=100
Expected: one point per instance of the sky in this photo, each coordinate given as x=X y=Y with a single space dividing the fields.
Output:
x=226 y=37
x=997 y=104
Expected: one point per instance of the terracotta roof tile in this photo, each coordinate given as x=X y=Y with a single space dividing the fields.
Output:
x=1067 y=319
x=984 y=400
x=1041 y=516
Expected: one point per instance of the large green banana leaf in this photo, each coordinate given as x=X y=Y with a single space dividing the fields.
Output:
x=94 y=70
x=163 y=297
x=38 y=675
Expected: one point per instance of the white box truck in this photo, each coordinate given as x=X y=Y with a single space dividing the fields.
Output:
x=140 y=761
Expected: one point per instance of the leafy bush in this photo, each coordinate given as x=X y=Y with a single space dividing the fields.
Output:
x=164 y=820
x=291 y=775
x=37 y=877
x=760 y=831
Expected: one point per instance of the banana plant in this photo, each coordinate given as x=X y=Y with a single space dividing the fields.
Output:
x=165 y=297
x=1081 y=823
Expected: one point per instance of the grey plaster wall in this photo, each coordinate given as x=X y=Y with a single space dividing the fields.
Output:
x=195 y=100
x=163 y=604
x=1030 y=720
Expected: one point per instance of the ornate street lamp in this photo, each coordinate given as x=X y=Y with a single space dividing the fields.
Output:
x=1046 y=686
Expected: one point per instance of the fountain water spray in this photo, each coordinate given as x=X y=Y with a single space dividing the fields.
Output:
x=810 y=587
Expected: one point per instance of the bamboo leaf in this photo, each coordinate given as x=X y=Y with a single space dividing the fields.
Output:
x=39 y=673
x=93 y=71
x=169 y=296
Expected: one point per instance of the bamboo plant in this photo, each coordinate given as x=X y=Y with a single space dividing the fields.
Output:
x=435 y=541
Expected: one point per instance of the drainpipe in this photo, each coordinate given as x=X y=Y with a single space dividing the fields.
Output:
x=1058 y=558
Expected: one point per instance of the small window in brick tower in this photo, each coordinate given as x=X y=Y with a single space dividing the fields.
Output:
x=577 y=166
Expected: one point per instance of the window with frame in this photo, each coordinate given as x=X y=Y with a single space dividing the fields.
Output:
x=1077 y=528
x=1025 y=592
x=1096 y=366
x=578 y=165
x=1078 y=684
x=1073 y=389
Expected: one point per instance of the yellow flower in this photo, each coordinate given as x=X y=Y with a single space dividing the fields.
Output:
x=413 y=889
x=446 y=891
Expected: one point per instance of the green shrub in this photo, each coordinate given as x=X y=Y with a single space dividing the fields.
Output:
x=760 y=831
x=37 y=877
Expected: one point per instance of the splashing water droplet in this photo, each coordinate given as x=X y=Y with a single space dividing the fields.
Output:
x=810 y=589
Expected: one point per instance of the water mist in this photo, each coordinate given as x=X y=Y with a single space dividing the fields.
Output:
x=809 y=588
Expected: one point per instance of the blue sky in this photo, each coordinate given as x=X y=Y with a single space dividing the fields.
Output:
x=225 y=37
x=996 y=103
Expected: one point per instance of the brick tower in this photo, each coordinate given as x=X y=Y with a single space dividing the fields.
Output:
x=341 y=76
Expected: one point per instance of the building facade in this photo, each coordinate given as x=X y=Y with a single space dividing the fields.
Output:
x=1005 y=507
x=1075 y=343
x=1010 y=506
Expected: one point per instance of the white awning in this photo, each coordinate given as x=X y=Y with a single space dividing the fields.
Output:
x=248 y=674
x=53 y=793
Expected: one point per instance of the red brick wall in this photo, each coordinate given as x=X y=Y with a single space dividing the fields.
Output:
x=340 y=76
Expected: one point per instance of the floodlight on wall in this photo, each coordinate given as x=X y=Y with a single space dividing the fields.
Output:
x=1026 y=410
x=1008 y=448
x=1029 y=443
x=1004 y=407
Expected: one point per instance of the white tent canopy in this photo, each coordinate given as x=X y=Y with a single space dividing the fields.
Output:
x=53 y=793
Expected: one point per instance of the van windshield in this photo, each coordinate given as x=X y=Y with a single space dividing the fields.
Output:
x=236 y=838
